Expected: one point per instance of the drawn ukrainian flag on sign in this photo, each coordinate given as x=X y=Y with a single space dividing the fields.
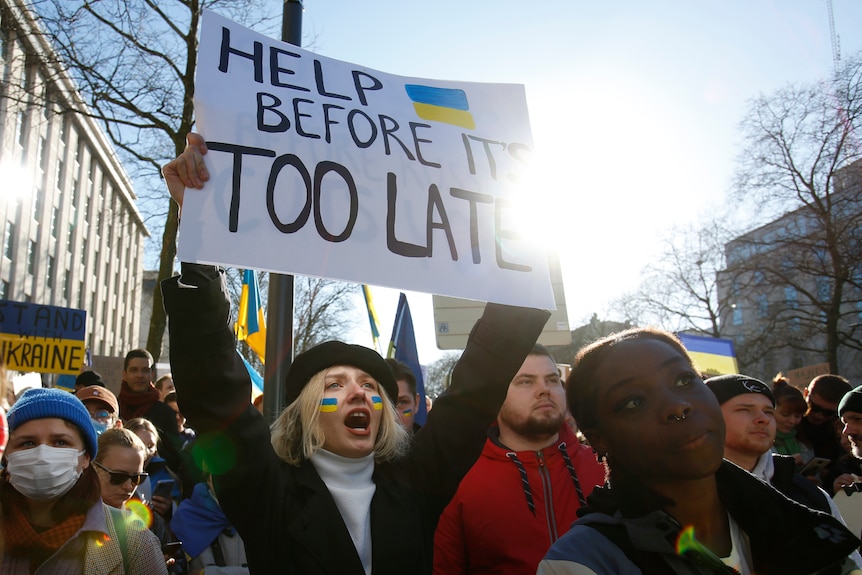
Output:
x=447 y=105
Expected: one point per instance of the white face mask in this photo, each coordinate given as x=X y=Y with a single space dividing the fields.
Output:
x=43 y=473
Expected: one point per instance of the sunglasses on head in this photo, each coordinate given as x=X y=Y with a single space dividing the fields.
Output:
x=822 y=410
x=120 y=477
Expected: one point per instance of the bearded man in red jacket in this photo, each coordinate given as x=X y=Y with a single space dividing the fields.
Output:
x=524 y=490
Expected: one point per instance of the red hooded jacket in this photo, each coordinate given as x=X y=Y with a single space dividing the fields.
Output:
x=495 y=525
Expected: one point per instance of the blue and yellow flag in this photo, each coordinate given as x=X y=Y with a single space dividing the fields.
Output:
x=711 y=355
x=372 y=316
x=403 y=348
x=446 y=105
x=256 y=379
x=251 y=326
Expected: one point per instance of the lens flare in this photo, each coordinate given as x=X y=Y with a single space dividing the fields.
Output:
x=141 y=515
x=686 y=541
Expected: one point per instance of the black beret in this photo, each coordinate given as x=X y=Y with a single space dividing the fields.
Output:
x=88 y=378
x=727 y=386
x=331 y=353
x=852 y=401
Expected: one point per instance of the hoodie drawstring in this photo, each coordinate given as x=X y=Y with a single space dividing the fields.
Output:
x=525 y=483
x=581 y=499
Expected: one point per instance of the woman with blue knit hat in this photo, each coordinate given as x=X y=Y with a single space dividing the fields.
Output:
x=53 y=517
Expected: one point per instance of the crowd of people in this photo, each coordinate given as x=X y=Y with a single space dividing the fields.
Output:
x=636 y=463
x=85 y=487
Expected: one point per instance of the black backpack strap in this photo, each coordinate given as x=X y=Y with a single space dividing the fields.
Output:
x=218 y=554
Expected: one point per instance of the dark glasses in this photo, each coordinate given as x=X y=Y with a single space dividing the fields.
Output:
x=120 y=477
x=821 y=410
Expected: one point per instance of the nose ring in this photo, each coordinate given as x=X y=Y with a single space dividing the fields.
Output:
x=679 y=418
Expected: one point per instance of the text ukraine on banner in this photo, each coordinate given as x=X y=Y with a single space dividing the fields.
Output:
x=447 y=105
x=43 y=338
x=713 y=356
x=250 y=326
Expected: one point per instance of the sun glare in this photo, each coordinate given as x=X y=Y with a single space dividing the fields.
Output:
x=17 y=181
x=539 y=207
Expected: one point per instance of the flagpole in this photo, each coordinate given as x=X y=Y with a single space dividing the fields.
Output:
x=279 y=339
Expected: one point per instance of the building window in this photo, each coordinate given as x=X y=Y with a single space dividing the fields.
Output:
x=55 y=214
x=81 y=294
x=50 y=272
x=37 y=205
x=21 y=128
x=9 y=239
x=737 y=315
x=31 y=257
x=84 y=251
x=791 y=297
x=66 y=287
x=762 y=306
x=824 y=288
x=4 y=289
x=61 y=172
x=43 y=153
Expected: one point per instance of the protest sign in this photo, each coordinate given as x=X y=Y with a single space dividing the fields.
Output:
x=42 y=338
x=326 y=168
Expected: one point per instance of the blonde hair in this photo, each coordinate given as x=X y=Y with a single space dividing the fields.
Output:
x=296 y=434
x=119 y=437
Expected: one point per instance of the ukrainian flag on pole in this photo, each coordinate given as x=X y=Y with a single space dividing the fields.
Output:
x=251 y=326
x=402 y=347
x=372 y=317
x=713 y=356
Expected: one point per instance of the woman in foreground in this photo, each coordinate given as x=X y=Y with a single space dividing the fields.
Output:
x=671 y=504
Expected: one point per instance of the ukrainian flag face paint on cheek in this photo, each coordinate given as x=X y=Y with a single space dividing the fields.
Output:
x=328 y=405
x=377 y=402
x=407 y=412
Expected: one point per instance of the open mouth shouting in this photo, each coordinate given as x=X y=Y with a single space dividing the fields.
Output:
x=358 y=420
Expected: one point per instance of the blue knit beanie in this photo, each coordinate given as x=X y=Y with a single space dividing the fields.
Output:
x=40 y=402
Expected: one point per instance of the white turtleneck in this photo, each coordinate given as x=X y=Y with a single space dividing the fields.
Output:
x=349 y=481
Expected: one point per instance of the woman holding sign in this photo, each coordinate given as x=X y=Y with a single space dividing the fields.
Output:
x=333 y=488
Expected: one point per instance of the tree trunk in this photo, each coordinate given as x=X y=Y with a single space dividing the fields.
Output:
x=159 y=320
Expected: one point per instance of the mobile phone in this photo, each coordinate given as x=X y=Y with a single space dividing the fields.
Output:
x=815 y=465
x=163 y=488
x=171 y=547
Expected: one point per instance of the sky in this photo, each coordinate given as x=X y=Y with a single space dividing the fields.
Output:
x=634 y=107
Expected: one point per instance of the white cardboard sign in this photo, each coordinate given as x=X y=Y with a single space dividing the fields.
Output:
x=329 y=169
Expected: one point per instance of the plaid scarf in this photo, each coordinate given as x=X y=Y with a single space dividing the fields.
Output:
x=23 y=541
x=133 y=404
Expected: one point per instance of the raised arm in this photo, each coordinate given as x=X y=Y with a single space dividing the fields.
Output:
x=188 y=170
x=213 y=386
x=451 y=441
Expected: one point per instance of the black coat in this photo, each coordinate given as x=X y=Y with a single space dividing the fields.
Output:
x=284 y=513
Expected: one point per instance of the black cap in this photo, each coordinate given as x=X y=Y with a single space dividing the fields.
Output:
x=852 y=401
x=331 y=353
x=88 y=378
x=727 y=386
